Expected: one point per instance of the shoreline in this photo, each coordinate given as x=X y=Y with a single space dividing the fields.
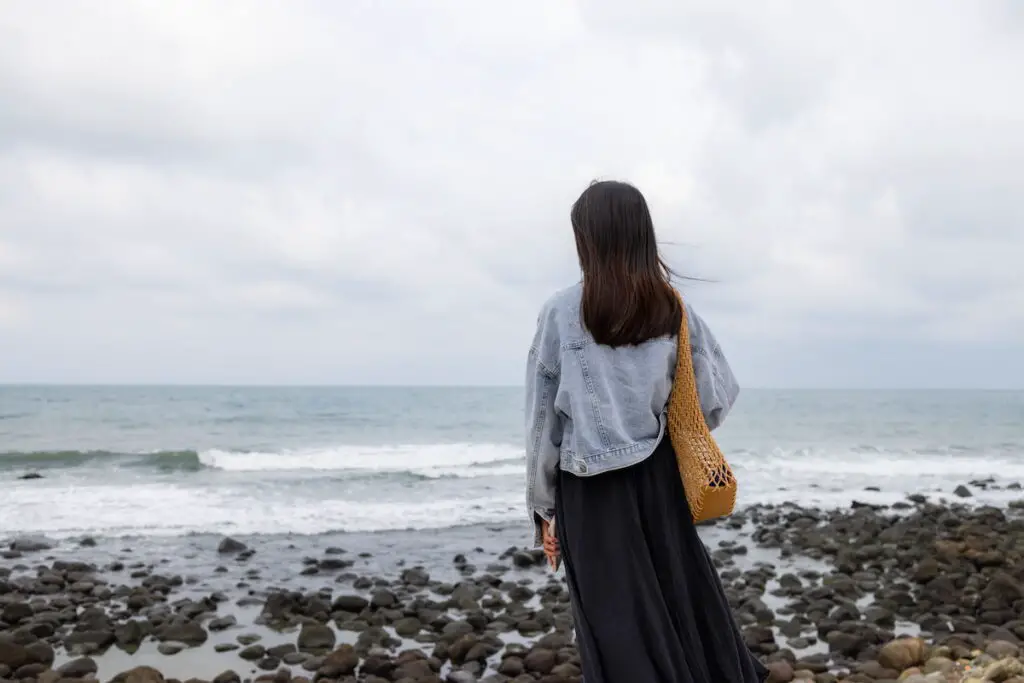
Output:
x=822 y=591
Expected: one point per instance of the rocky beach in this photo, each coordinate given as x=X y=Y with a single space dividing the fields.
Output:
x=923 y=590
x=376 y=535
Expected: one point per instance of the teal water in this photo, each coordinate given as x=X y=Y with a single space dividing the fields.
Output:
x=181 y=460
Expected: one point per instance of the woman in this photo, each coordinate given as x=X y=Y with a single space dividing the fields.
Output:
x=647 y=602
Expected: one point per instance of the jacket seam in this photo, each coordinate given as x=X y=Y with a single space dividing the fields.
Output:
x=592 y=393
x=646 y=447
x=626 y=450
x=541 y=365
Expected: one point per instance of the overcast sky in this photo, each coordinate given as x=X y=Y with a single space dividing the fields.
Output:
x=288 y=191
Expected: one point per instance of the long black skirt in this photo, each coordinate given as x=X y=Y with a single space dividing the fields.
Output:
x=647 y=601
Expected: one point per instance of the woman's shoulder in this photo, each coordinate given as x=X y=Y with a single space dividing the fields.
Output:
x=691 y=314
x=559 y=317
x=565 y=298
x=701 y=336
x=563 y=305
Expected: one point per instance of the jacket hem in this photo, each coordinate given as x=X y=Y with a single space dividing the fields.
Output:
x=612 y=459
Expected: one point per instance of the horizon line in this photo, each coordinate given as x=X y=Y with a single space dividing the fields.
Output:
x=258 y=385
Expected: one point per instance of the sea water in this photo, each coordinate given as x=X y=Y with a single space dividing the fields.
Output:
x=176 y=461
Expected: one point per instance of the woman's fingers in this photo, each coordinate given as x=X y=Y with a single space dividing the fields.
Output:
x=550 y=543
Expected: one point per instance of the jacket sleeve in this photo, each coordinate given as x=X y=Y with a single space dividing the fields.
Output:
x=543 y=429
x=717 y=387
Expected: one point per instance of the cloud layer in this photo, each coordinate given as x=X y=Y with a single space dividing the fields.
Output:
x=366 y=192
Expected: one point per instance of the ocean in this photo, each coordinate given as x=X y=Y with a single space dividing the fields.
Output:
x=184 y=461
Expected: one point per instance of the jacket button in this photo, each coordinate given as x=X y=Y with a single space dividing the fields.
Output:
x=581 y=468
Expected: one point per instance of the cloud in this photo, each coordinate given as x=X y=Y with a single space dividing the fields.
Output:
x=364 y=192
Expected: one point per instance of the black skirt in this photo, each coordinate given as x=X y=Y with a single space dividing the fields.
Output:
x=647 y=601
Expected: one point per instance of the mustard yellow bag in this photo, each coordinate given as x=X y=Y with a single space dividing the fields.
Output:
x=708 y=480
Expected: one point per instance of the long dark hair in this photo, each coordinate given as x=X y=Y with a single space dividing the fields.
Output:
x=627 y=294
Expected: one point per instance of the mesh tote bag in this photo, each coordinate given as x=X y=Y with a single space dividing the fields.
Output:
x=708 y=480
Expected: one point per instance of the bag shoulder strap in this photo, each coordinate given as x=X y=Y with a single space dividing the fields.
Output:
x=684 y=404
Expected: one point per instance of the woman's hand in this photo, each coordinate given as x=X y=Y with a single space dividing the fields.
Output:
x=551 y=549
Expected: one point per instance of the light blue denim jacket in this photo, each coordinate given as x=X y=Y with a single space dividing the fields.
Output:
x=591 y=408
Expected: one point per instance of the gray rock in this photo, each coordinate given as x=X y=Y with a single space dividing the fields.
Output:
x=170 y=648
x=408 y=627
x=129 y=635
x=223 y=623
x=350 y=603
x=383 y=598
x=279 y=651
x=183 y=631
x=229 y=546
x=252 y=653
x=79 y=668
x=89 y=640
x=295 y=658
x=30 y=544
x=316 y=638
x=16 y=612
x=511 y=666
x=416 y=576
x=540 y=660
x=268 y=663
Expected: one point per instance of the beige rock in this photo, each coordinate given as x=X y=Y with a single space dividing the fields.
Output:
x=140 y=674
x=876 y=671
x=1003 y=670
x=939 y=664
x=902 y=653
x=982 y=661
x=923 y=678
x=1000 y=649
x=780 y=672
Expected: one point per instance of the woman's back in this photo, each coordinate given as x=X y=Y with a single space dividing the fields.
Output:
x=612 y=400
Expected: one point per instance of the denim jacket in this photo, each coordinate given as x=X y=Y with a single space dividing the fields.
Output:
x=591 y=408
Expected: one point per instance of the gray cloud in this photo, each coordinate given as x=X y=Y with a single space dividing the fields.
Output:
x=362 y=192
